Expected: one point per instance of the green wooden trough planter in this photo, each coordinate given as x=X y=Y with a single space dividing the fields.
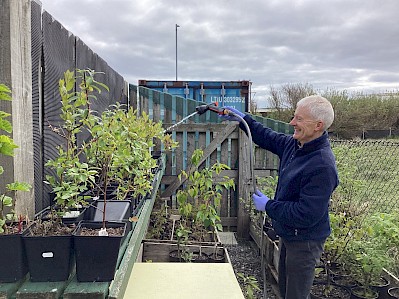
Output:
x=72 y=288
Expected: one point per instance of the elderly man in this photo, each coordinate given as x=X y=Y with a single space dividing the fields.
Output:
x=307 y=178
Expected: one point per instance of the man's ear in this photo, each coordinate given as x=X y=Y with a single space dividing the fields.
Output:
x=319 y=126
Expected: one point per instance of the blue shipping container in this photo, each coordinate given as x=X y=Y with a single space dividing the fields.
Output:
x=225 y=93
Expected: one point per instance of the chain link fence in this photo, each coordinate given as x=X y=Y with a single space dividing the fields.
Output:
x=369 y=175
x=367 y=200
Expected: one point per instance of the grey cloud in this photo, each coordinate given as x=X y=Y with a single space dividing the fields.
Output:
x=335 y=43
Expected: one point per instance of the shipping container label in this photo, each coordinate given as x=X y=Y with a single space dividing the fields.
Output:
x=228 y=99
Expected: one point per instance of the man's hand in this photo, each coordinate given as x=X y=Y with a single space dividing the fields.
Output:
x=260 y=200
x=231 y=116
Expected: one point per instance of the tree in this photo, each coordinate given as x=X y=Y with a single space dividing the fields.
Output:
x=284 y=99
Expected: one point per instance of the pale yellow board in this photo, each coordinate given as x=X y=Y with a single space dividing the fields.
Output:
x=183 y=280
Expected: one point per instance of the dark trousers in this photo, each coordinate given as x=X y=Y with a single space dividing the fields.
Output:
x=297 y=267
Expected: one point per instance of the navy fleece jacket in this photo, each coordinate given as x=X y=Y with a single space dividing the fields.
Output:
x=307 y=178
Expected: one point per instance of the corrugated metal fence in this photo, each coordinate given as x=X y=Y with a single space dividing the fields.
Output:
x=55 y=50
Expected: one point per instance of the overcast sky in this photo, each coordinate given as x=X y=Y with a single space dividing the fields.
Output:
x=330 y=44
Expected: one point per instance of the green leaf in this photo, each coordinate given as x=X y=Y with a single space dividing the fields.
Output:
x=5 y=93
x=7 y=145
x=17 y=186
x=7 y=201
x=5 y=125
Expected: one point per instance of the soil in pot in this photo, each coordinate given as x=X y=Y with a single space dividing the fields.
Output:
x=359 y=292
x=50 y=228
x=112 y=231
x=321 y=290
x=344 y=280
x=340 y=274
x=216 y=257
x=394 y=292
x=200 y=257
x=181 y=256
x=381 y=286
x=185 y=256
x=320 y=274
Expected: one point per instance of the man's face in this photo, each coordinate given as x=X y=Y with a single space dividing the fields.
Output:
x=306 y=128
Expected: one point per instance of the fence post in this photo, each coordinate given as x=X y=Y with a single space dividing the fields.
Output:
x=16 y=73
x=244 y=176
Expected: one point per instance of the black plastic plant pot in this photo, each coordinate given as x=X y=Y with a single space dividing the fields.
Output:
x=71 y=217
x=393 y=292
x=49 y=257
x=13 y=264
x=97 y=256
x=116 y=210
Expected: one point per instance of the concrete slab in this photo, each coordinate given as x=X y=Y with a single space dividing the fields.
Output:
x=227 y=238
x=183 y=280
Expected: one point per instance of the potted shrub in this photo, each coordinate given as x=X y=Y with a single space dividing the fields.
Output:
x=96 y=249
x=72 y=177
x=337 y=279
x=324 y=290
x=12 y=256
x=182 y=253
x=48 y=241
x=344 y=227
x=199 y=200
x=121 y=150
x=366 y=266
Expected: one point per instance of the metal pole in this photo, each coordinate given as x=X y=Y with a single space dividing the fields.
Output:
x=176 y=48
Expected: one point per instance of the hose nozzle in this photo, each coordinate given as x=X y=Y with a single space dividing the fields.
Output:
x=212 y=107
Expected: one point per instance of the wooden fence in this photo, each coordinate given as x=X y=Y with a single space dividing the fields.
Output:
x=221 y=141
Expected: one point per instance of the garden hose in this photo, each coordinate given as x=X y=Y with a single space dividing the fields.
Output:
x=223 y=111
x=254 y=190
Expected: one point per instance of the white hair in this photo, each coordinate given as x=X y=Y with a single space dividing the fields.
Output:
x=319 y=108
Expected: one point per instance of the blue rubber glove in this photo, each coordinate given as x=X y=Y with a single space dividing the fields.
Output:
x=260 y=200
x=231 y=117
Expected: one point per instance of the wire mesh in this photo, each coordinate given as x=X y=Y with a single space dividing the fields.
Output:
x=365 y=205
x=369 y=175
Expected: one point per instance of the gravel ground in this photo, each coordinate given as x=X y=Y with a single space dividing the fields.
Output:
x=246 y=260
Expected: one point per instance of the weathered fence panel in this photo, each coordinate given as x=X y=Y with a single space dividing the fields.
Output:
x=219 y=144
x=53 y=51
x=16 y=73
